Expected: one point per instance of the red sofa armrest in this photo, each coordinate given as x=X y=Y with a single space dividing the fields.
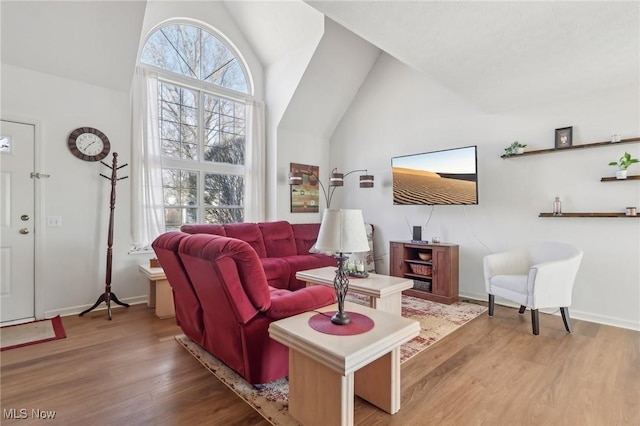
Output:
x=284 y=305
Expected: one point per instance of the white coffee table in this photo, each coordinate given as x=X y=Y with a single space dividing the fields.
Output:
x=326 y=370
x=384 y=292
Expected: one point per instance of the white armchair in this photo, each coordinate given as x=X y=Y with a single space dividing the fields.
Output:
x=539 y=277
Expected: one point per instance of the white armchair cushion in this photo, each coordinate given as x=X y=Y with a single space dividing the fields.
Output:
x=540 y=277
x=510 y=287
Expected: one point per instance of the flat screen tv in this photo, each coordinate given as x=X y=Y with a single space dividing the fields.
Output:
x=439 y=177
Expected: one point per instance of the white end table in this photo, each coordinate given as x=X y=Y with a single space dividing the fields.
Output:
x=326 y=370
x=160 y=295
x=385 y=292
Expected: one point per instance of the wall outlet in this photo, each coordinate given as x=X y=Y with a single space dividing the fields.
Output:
x=54 y=221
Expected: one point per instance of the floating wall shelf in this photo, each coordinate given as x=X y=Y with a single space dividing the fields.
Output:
x=612 y=179
x=573 y=147
x=565 y=215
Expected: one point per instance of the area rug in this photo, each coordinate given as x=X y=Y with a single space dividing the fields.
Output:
x=272 y=400
x=31 y=333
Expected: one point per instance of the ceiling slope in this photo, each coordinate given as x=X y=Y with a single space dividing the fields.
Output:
x=330 y=82
x=95 y=42
x=504 y=54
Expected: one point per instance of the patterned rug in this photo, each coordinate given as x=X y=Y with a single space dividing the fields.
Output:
x=436 y=321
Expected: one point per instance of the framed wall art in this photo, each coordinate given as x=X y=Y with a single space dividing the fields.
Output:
x=564 y=137
x=305 y=198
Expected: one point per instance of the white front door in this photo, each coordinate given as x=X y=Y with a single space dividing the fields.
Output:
x=17 y=209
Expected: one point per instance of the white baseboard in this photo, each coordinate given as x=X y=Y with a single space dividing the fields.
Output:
x=75 y=310
x=579 y=315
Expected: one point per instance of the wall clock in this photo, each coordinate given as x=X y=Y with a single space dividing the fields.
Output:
x=89 y=144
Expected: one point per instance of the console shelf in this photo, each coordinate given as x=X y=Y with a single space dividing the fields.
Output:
x=432 y=267
x=565 y=215
x=570 y=148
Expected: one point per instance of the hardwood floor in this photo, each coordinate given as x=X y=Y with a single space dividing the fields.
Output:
x=130 y=371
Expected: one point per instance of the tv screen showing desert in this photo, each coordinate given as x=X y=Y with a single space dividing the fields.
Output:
x=444 y=177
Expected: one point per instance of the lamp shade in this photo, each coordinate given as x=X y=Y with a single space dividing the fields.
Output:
x=342 y=231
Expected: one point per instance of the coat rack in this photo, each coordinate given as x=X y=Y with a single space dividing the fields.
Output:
x=108 y=296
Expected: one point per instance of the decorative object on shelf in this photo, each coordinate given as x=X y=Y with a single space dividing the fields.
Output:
x=631 y=211
x=154 y=263
x=336 y=179
x=557 y=207
x=89 y=144
x=425 y=256
x=435 y=240
x=108 y=296
x=342 y=231
x=564 y=137
x=623 y=163
x=615 y=138
x=305 y=194
x=516 y=148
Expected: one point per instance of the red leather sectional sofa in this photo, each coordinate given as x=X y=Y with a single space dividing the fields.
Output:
x=282 y=247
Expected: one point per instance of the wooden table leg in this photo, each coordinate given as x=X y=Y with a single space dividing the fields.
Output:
x=379 y=382
x=164 y=299
x=317 y=394
x=391 y=303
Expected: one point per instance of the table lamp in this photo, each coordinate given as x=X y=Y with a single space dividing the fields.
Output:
x=342 y=231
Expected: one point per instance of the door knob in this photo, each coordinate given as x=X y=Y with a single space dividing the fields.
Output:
x=24 y=217
x=24 y=231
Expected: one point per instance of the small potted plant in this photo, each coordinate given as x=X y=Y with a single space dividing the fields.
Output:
x=623 y=163
x=515 y=148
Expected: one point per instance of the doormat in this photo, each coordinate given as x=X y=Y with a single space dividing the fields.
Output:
x=272 y=400
x=31 y=333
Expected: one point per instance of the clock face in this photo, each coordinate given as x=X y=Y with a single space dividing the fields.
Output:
x=89 y=144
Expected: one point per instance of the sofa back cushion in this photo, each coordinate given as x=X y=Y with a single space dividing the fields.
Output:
x=249 y=233
x=305 y=236
x=206 y=228
x=226 y=273
x=278 y=238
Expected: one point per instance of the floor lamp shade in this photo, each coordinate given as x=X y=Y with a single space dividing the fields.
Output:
x=342 y=231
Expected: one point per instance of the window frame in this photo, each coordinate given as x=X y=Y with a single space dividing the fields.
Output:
x=202 y=87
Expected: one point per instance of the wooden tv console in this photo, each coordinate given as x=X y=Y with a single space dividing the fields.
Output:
x=434 y=279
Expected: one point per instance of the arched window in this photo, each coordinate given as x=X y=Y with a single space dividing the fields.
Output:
x=203 y=88
x=195 y=53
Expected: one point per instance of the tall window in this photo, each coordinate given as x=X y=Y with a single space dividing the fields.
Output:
x=202 y=93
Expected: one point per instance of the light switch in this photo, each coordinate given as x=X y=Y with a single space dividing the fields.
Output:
x=54 y=221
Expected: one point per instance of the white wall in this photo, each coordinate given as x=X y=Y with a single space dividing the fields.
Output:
x=73 y=263
x=399 y=111
x=72 y=267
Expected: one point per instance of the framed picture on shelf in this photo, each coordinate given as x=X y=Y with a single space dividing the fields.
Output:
x=305 y=198
x=564 y=137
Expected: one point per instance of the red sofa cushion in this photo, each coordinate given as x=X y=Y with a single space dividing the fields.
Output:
x=305 y=236
x=278 y=239
x=277 y=271
x=208 y=228
x=249 y=233
x=231 y=264
x=304 y=262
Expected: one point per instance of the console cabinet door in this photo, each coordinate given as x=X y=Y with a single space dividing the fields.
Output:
x=397 y=260
x=441 y=271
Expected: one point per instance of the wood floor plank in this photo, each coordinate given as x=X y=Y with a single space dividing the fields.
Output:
x=491 y=371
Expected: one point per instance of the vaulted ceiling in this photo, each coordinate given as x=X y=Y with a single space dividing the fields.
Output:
x=503 y=54
x=495 y=54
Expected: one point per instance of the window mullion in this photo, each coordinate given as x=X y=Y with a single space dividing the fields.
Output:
x=201 y=150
